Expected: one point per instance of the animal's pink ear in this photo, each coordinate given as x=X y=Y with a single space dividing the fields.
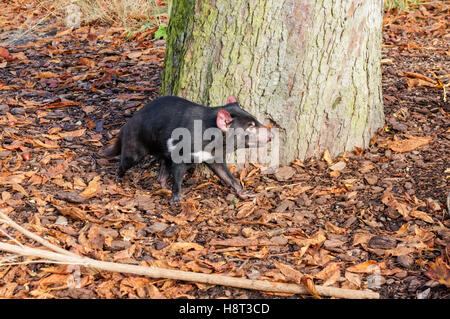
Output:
x=231 y=99
x=223 y=120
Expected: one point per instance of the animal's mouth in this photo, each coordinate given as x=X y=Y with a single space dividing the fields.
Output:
x=262 y=140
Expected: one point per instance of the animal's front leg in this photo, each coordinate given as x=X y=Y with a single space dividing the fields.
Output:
x=178 y=171
x=225 y=175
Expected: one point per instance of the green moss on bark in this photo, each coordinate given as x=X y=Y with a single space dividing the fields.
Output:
x=179 y=35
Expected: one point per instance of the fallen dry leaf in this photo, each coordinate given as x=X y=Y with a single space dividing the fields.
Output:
x=7 y=289
x=246 y=209
x=389 y=200
x=308 y=283
x=327 y=157
x=56 y=105
x=335 y=229
x=92 y=188
x=46 y=144
x=134 y=55
x=353 y=278
x=76 y=133
x=408 y=144
x=421 y=215
x=46 y=75
x=189 y=210
x=335 y=174
x=59 y=280
x=4 y=53
x=289 y=272
x=368 y=267
x=184 y=247
x=330 y=274
x=439 y=270
x=76 y=213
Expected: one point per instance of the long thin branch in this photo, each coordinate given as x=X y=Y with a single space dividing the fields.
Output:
x=59 y=255
x=5 y=219
x=154 y=272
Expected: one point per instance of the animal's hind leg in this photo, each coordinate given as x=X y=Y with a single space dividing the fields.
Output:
x=130 y=156
x=163 y=172
x=125 y=164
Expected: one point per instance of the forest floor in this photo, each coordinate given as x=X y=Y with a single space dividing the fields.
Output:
x=375 y=218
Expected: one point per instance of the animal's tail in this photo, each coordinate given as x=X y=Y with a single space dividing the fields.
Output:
x=114 y=149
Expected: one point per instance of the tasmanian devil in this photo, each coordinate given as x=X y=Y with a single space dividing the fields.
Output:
x=180 y=133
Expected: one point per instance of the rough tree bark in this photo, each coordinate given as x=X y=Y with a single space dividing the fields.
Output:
x=310 y=66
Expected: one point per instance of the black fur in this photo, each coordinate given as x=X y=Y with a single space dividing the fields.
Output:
x=149 y=129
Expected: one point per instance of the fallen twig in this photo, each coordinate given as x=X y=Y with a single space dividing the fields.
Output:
x=5 y=219
x=154 y=272
x=59 y=255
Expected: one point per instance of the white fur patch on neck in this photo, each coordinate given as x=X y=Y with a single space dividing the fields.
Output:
x=202 y=156
x=170 y=145
x=198 y=157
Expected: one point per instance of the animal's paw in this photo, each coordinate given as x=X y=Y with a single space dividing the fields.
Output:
x=120 y=172
x=176 y=198
x=118 y=178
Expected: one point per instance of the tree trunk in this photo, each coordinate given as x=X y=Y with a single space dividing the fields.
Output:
x=310 y=66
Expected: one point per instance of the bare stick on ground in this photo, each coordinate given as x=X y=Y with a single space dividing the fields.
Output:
x=63 y=256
